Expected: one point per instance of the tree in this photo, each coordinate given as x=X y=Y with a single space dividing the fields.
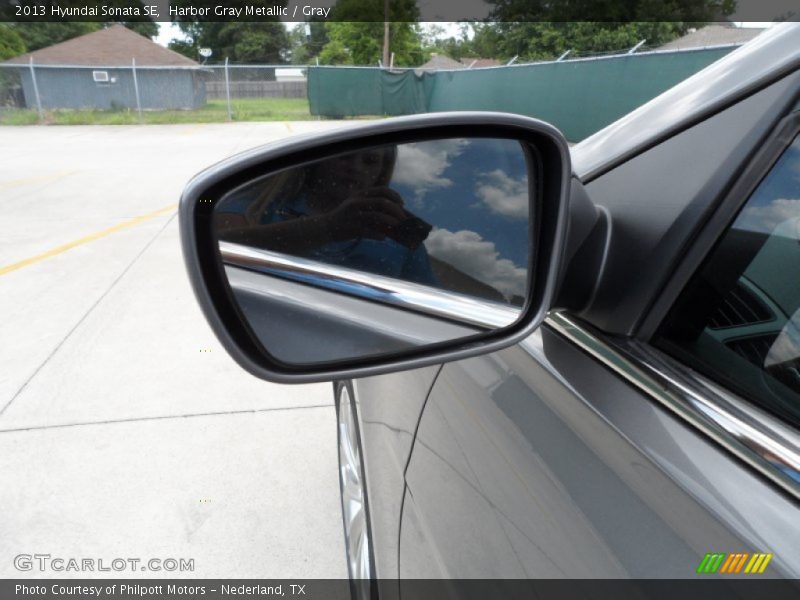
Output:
x=356 y=30
x=40 y=35
x=306 y=41
x=11 y=43
x=544 y=40
x=456 y=47
x=353 y=43
x=193 y=31
x=186 y=48
x=246 y=41
x=545 y=29
x=243 y=42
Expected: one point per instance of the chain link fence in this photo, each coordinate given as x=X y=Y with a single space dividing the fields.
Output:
x=580 y=95
x=245 y=81
x=45 y=93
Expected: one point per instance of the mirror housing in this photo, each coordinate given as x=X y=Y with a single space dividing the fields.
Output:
x=239 y=326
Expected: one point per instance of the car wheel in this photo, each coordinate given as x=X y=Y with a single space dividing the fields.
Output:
x=355 y=510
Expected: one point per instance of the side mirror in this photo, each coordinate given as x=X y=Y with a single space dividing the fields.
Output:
x=388 y=246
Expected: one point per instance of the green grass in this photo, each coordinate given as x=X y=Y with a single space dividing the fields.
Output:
x=13 y=116
x=215 y=111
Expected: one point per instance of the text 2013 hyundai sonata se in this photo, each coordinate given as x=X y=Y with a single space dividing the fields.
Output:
x=548 y=362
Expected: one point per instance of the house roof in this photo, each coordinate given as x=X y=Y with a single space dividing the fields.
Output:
x=115 y=46
x=477 y=63
x=440 y=61
x=713 y=35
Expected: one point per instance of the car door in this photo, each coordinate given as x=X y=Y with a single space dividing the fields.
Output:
x=579 y=453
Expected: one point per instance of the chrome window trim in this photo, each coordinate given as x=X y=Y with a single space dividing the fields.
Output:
x=403 y=294
x=756 y=437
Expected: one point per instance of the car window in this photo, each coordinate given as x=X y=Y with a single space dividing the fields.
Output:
x=738 y=320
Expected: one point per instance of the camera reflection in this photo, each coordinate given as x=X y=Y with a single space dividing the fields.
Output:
x=339 y=211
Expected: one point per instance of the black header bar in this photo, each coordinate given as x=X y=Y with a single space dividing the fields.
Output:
x=399 y=10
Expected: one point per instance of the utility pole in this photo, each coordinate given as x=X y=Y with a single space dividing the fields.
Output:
x=385 y=32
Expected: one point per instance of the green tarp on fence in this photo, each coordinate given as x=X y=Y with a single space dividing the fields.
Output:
x=579 y=96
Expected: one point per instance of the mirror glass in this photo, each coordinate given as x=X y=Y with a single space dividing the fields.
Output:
x=381 y=250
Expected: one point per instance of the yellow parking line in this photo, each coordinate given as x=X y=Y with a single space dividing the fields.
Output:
x=4 y=185
x=85 y=240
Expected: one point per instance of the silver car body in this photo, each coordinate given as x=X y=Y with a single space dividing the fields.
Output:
x=583 y=451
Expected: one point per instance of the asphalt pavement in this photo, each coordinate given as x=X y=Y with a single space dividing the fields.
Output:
x=125 y=430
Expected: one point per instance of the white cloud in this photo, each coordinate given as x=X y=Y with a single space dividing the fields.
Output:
x=766 y=218
x=468 y=252
x=420 y=166
x=503 y=194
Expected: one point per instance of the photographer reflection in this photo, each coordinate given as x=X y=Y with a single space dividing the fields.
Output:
x=337 y=211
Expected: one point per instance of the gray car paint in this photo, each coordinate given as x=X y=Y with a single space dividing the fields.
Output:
x=538 y=461
x=658 y=200
x=389 y=416
x=745 y=70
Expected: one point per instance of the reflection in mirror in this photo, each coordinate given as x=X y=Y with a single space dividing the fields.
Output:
x=382 y=250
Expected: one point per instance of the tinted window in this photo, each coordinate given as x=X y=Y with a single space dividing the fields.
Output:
x=738 y=321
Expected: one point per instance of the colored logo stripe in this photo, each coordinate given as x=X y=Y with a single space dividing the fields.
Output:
x=741 y=562
x=710 y=563
x=720 y=562
x=758 y=563
x=734 y=563
x=732 y=558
